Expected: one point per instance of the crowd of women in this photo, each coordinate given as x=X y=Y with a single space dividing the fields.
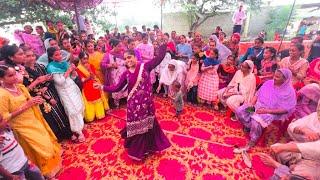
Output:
x=47 y=97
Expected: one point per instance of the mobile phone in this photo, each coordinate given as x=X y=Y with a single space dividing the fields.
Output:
x=250 y=109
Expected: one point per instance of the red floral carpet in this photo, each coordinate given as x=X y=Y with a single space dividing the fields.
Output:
x=202 y=148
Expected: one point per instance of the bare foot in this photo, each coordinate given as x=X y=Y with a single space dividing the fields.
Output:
x=268 y=160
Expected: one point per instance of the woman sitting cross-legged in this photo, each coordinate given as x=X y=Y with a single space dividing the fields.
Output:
x=240 y=90
x=300 y=158
x=275 y=100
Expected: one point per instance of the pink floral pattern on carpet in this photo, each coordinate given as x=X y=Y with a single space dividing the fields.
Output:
x=202 y=148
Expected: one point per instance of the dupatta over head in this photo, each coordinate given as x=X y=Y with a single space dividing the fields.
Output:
x=278 y=97
x=167 y=76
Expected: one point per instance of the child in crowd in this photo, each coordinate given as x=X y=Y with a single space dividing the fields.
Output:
x=209 y=80
x=13 y=162
x=192 y=78
x=177 y=98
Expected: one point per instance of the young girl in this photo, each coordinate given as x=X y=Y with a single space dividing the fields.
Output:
x=226 y=71
x=94 y=100
x=192 y=78
x=209 y=80
x=268 y=64
x=68 y=91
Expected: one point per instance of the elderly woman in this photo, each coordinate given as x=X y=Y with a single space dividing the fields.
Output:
x=175 y=71
x=275 y=100
x=308 y=98
x=297 y=65
x=241 y=89
x=301 y=157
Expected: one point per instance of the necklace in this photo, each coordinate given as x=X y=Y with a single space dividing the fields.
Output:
x=14 y=90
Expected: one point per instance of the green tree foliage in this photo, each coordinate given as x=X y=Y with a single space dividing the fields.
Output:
x=278 y=18
x=100 y=18
x=32 y=11
x=201 y=10
x=23 y=11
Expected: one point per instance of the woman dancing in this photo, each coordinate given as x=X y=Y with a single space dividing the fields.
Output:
x=142 y=133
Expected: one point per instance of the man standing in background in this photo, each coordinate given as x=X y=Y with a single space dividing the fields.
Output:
x=238 y=17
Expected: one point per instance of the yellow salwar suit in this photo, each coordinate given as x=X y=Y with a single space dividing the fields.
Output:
x=95 y=100
x=32 y=131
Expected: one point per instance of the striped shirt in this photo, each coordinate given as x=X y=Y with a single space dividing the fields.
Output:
x=12 y=157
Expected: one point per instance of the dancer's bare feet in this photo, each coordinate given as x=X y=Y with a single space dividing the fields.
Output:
x=268 y=160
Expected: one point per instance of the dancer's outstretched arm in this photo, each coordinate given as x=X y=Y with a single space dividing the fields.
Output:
x=150 y=65
x=117 y=87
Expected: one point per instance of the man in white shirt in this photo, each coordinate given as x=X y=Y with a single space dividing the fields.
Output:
x=238 y=17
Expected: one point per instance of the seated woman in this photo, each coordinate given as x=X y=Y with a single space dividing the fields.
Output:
x=226 y=71
x=275 y=100
x=175 y=71
x=300 y=158
x=21 y=111
x=209 y=79
x=307 y=102
x=68 y=91
x=240 y=90
x=306 y=128
x=297 y=65
x=94 y=100
x=313 y=74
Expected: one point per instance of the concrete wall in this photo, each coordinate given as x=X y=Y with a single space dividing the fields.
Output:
x=180 y=23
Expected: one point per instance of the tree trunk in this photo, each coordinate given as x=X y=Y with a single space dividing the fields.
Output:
x=196 y=23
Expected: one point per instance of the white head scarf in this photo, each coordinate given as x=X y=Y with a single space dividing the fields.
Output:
x=250 y=64
x=168 y=77
x=224 y=52
x=46 y=43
